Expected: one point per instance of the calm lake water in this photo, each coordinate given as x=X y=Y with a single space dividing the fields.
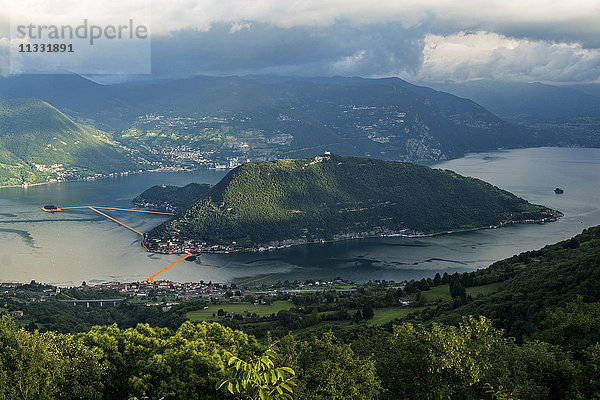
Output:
x=69 y=247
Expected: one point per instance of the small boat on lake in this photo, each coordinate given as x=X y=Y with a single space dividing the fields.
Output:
x=558 y=191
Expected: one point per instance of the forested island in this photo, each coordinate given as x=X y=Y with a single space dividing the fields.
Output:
x=262 y=205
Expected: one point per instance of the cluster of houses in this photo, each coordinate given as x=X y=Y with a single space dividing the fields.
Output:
x=7 y=288
x=174 y=245
x=177 y=290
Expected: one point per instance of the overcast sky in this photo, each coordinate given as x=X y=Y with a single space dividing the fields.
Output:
x=421 y=40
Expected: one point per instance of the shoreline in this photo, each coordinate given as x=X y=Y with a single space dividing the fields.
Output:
x=558 y=216
x=28 y=185
x=554 y=216
x=115 y=175
x=430 y=164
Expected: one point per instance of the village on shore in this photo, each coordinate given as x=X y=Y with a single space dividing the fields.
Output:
x=165 y=293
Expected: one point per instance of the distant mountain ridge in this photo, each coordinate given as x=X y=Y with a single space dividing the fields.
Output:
x=577 y=131
x=526 y=103
x=262 y=118
x=329 y=197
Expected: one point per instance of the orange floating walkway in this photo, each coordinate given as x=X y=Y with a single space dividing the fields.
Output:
x=96 y=209
x=116 y=220
x=151 y=278
x=117 y=209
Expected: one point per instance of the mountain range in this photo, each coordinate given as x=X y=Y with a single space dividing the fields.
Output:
x=525 y=103
x=225 y=121
x=269 y=117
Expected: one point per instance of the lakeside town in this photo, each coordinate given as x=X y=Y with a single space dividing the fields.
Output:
x=161 y=293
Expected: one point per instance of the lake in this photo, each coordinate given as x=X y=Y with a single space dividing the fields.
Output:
x=67 y=248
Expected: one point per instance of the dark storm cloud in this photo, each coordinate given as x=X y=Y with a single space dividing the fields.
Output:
x=266 y=48
x=435 y=49
x=430 y=40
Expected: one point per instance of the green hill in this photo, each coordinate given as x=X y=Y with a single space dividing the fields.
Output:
x=38 y=142
x=535 y=282
x=331 y=197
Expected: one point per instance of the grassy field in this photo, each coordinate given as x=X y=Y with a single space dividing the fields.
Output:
x=383 y=315
x=434 y=294
x=484 y=290
x=262 y=310
x=443 y=292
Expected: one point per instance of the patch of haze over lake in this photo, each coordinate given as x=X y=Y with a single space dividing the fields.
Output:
x=68 y=247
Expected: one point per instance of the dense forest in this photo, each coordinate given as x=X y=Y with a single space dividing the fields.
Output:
x=329 y=197
x=470 y=361
x=454 y=350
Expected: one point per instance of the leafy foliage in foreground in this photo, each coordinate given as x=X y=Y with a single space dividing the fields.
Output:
x=259 y=378
x=327 y=197
x=47 y=366
x=410 y=362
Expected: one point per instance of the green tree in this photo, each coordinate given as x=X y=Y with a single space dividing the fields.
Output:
x=457 y=289
x=437 y=279
x=440 y=362
x=329 y=370
x=157 y=363
x=536 y=371
x=358 y=316
x=574 y=327
x=368 y=312
x=47 y=365
x=314 y=317
x=259 y=379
